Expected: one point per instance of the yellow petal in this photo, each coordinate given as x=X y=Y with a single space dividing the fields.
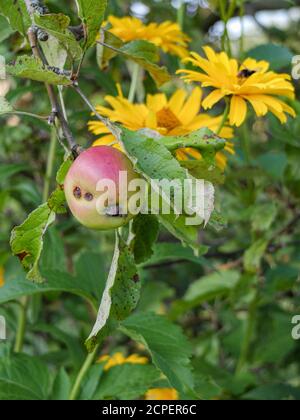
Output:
x=177 y=100
x=167 y=394
x=156 y=102
x=192 y=107
x=238 y=111
x=212 y=99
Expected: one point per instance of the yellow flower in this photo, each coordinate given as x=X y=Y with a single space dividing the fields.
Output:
x=167 y=35
x=167 y=394
x=119 y=359
x=252 y=82
x=1 y=276
x=178 y=115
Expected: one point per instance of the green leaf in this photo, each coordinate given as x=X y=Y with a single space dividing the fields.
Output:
x=23 y=377
x=254 y=255
x=202 y=170
x=64 y=169
x=29 y=67
x=206 y=289
x=217 y=221
x=91 y=267
x=273 y=392
x=105 y=54
x=92 y=13
x=56 y=201
x=273 y=163
x=57 y=26
x=16 y=284
x=27 y=240
x=53 y=251
x=204 y=140
x=176 y=225
x=91 y=381
x=5 y=29
x=167 y=251
x=54 y=52
x=146 y=55
x=17 y=15
x=169 y=348
x=210 y=287
x=278 y=56
x=8 y=170
x=154 y=294
x=61 y=387
x=126 y=382
x=274 y=341
x=167 y=178
x=121 y=293
x=141 y=52
x=5 y=107
x=145 y=229
x=76 y=354
x=263 y=216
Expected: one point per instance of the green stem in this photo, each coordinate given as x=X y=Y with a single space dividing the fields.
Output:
x=181 y=14
x=242 y=12
x=224 y=118
x=134 y=82
x=226 y=44
x=21 y=325
x=62 y=102
x=246 y=142
x=26 y=114
x=50 y=164
x=250 y=328
x=83 y=371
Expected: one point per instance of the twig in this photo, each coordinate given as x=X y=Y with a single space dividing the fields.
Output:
x=112 y=127
x=56 y=111
x=117 y=50
x=77 y=31
x=50 y=164
x=27 y=114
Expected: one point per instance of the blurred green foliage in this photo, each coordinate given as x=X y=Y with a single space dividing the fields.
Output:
x=235 y=305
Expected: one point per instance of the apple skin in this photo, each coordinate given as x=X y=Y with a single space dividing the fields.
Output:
x=91 y=166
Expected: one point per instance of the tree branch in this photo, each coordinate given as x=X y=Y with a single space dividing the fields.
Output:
x=56 y=111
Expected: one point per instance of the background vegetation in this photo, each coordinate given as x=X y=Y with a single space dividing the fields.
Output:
x=234 y=305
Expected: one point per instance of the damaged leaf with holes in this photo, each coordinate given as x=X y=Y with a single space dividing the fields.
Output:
x=27 y=240
x=91 y=13
x=28 y=67
x=17 y=15
x=155 y=162
x=57 y=25
x=121 y=293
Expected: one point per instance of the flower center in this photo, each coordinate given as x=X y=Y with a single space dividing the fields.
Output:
x=167 y=119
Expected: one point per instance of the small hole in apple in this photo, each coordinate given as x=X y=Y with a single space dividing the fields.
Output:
x=88 y=196
x=77 y=193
